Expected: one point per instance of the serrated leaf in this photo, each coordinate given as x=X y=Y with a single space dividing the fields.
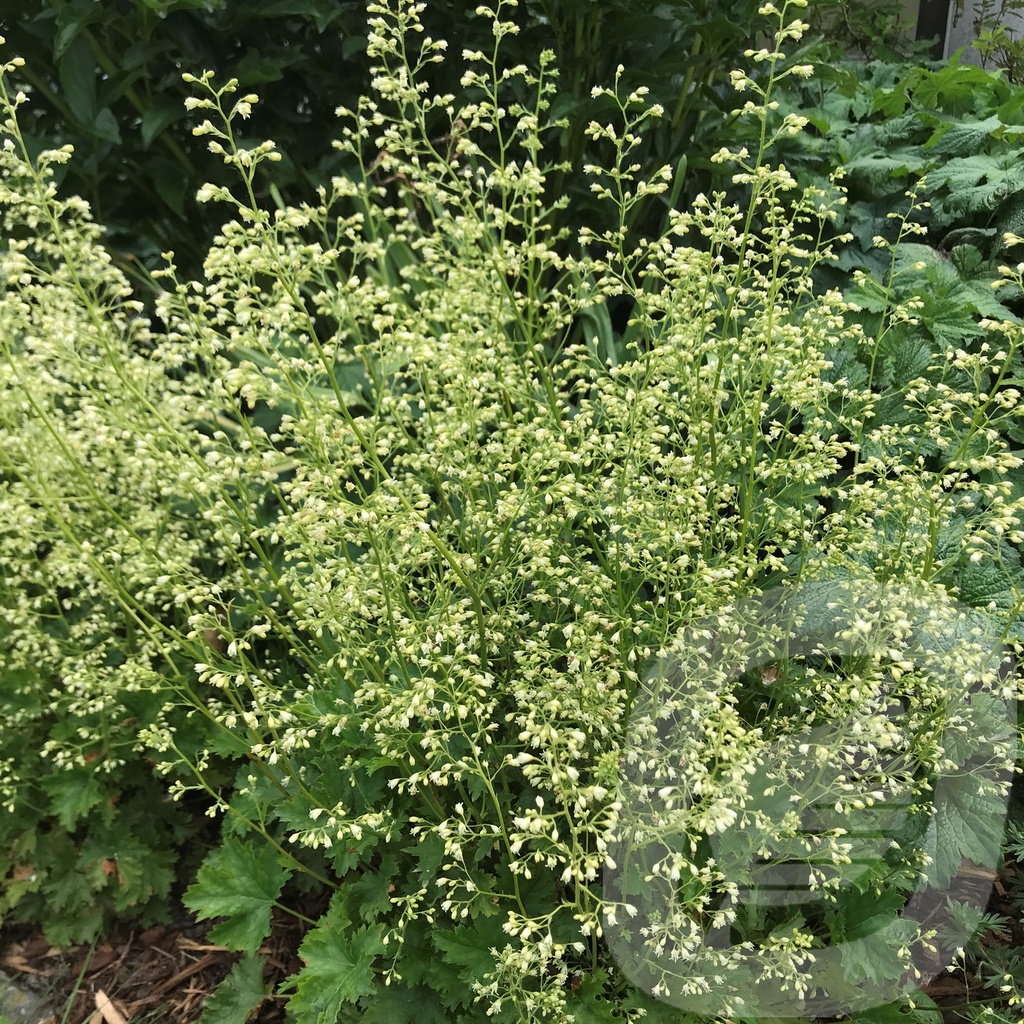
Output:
x=893 y=1013
x=968 y=261
x=982 y=583
x=590 y=1004
x=238 y=995
x=875 y=958
x=858 y=917
x=242 y=882
x=870 y=295
x=468 y=948
x=339 y=971
x=73 y=794
x=140 y=877
x=902 y=357
x=1010 y=216
x=371 y=891
x=398 y=1004
x=964 y=137
x=969 y=823
x=978 y=182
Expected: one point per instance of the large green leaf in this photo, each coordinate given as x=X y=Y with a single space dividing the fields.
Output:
x=969 y=823
x=157 y=118
x=339 y=970
x=466 y=952
x=73 y=794
x=242 y=882
x=962 y=138
x=398 y=1004
x=589 y=1003
x=77 y=70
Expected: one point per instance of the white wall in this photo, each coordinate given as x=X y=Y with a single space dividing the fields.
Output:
x=960 y=28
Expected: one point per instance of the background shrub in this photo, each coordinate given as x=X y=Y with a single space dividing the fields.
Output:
x=106 y=77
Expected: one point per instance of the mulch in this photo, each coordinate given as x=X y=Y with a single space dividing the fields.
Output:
x=160 y=975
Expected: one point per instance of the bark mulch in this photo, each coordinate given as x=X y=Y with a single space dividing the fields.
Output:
x=162 y=975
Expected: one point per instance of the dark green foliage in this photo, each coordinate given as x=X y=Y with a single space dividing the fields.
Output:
x=106 y=77
x=84 y=844
x=379 y=875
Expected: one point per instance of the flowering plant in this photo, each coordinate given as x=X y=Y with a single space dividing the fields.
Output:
x=402 y=554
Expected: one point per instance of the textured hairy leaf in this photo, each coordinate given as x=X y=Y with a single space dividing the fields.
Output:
x=339 y=970
x=964 y=138
x=398 y=1004
x=968 y=826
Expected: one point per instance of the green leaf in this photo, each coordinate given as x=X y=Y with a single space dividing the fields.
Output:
x=1011 y=215
x=969 y=825
x=106 y=127
x=322 y=12
x=589 y=1004
x=984 y=582
x=142 y=52
x=963 y=138
x=859 y=918
x=241 y=992
x=398 y=1004
x=902 y=357
x=874 y=958
x=900 y=1013
x=977 y=182
x=170 y=184
x=339 y=970
x=71 y=19
x=242 y=883
x=469 y=949
x=156 y=119
x=77 y=72
x=73 y=795
x=371 y=891
x=141 y=874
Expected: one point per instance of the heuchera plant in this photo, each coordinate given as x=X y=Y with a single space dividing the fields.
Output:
x=398 y=557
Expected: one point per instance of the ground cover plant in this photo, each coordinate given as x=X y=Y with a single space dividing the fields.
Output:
x=448 y=599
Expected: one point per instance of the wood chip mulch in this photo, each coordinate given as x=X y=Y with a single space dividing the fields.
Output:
x=162 y=975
